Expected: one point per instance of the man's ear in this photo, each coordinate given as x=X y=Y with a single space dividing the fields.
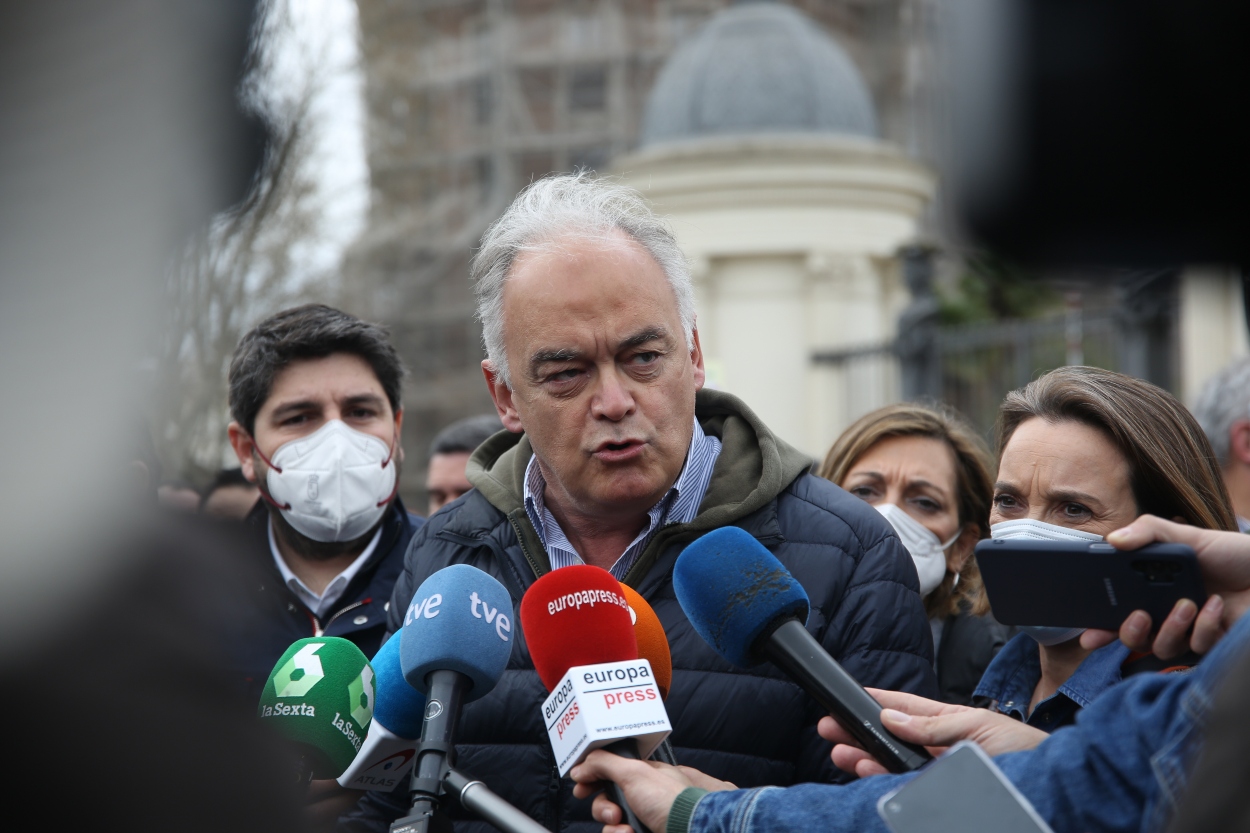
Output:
x=1239 y=442
x=696 y=357
x=243 y=446
x=399 y=434
x=501 y=395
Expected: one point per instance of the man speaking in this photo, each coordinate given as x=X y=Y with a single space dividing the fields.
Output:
x=615 y=456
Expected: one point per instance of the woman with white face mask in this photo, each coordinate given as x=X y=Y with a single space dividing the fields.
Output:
x=1083 y=452
x=928 y=473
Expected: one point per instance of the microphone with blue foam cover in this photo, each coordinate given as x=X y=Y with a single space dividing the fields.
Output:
x=320 y=697
x=747 y=606
x=398 y=711
x=733 y=590
x=455 y=643
x=460 y=620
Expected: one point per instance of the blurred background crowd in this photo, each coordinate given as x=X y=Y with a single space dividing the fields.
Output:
x=794 y=147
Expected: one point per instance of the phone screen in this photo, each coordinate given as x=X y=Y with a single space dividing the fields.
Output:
x=961 y=791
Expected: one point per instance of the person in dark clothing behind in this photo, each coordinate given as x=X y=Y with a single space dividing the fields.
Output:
x=929 y=473
x=315 y=392
x=616 y=457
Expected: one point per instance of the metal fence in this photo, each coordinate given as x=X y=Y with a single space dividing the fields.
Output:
x=971 y=368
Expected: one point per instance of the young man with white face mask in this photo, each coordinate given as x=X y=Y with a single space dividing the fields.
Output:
x=315 y=402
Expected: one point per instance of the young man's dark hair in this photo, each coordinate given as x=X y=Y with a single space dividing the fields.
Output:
x=311 y=331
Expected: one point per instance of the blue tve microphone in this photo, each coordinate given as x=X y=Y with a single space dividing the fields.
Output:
x=747 y=606
x=398 y=711
x=456 y=639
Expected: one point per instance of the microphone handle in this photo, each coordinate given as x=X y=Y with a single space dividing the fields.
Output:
x=476 y=797
x=435 y=749
x=664 y=753
x=795 y=651
x=626 y=748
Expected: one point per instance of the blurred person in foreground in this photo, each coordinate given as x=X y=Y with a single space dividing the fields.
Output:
x=445 y=477
x=230 y=495
x=314 y=395
x=930 y=475
x=1084 y=451
x=1223 y=411
x=1123 y=765
x=615 y=456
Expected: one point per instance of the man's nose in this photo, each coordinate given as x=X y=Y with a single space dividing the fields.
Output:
x=612 y=401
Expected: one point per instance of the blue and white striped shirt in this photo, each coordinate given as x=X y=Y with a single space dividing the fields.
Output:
x=679 y=505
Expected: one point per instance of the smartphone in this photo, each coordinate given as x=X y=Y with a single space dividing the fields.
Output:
x=1081 y=584
x=961 y=791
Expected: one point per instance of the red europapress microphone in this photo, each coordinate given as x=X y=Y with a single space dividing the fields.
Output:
x=580 y=633
x=576 y=616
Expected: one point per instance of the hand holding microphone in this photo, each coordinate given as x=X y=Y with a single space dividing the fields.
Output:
x=747 y=606
x=580 y=634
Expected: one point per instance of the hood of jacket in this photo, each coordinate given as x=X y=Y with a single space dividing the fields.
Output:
x=754 y=467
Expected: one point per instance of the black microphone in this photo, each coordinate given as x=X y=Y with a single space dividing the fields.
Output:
x=454 y=646
x=747 y=606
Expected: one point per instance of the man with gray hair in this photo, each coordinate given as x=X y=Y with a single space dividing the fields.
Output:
x=1223 y=411
x=615 y=456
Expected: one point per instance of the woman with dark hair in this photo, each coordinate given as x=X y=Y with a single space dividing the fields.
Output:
x=1082 y=452
x=929 y=474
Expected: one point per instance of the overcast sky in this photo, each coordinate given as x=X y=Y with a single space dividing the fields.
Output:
x=324 y=46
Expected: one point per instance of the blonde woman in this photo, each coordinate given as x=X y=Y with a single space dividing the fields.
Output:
x=929 y=474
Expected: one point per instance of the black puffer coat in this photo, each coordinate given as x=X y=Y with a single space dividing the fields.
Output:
x=750 y=727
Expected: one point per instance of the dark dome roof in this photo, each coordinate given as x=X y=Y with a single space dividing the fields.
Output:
x=758 y=68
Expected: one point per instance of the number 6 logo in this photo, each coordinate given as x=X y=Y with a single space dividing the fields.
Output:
x=305 y=660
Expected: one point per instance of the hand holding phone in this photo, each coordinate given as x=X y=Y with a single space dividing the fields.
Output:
x=1224 y=561
x=1081 y=584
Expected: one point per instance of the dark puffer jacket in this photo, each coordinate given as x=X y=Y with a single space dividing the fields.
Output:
x=750 y=727
x=271 y=617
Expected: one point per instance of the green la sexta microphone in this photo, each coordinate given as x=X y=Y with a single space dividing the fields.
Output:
x=319 y=697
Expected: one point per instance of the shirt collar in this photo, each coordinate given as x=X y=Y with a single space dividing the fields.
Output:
x=680 y=504
x=321 y=604
x=1013 y=675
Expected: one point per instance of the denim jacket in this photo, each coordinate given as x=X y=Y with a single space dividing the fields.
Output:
x=1121 y=766
x=1011 y=677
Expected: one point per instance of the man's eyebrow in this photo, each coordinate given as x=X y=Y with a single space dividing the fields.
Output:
x=293 y=407
x=363 y=399
x=642 y=337
x=562 y=354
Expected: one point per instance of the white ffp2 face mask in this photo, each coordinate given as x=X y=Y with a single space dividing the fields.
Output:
x=334 y=484
x=927 y=552
x=1041 y=531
